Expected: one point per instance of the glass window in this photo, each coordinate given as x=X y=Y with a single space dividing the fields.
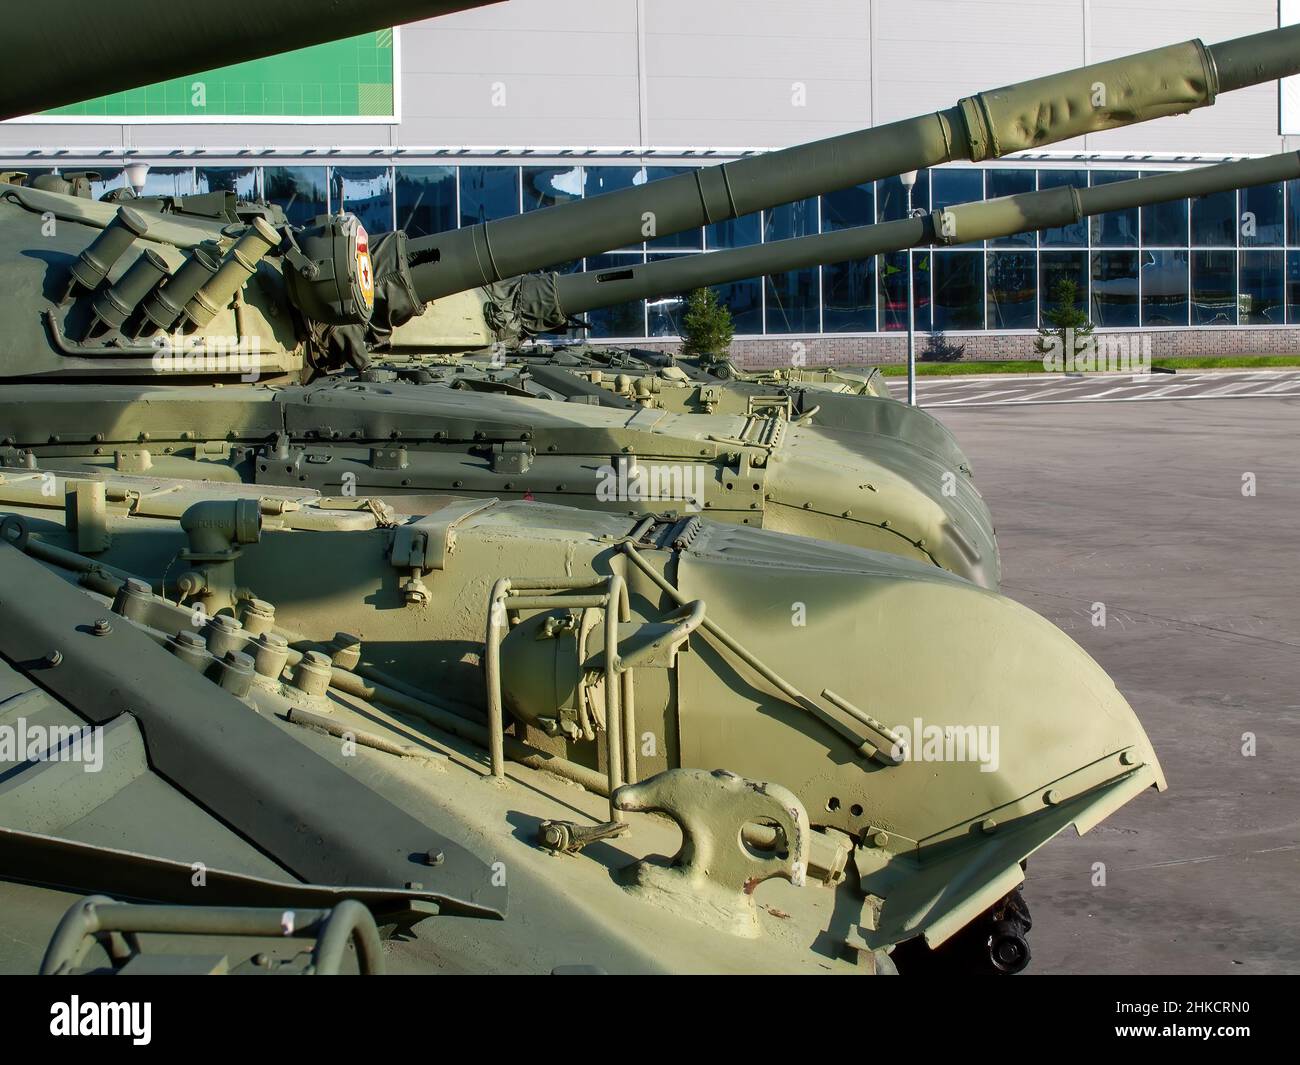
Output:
x=891 y=197
x=488 y=193
x=999 y=183
x=1053 y=267
x=545 y=186
x=1262 y=216
x=1261 y=288
x=1293 y=212
x=736 y=233
x=625 y=319
x=793 y=302
x=169 y=181
x=300 y=190
x=367 y=192
x=689 y=238
x=1116 y=229
x=664 y=315
x=1293 y=286
x=426 y=199
x=241 y=180
x=1164 y=224
x=849 y=296
x=1214 y=288
x=949 y=187
x=848 y=208
x=1013 y=290
x=790 y=220
x=1164 y=288
x=745 y=301
x=1115 y=289
x=599 y=179
x=108 y=180
x=1074 y=235
x=1214 y=220
x=892 y=274
x=958 y=290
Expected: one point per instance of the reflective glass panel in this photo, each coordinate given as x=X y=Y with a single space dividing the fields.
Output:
x=949 y=187
x=793 y=304
x=426 y=199
x=546 y=186
x=848 y=208
x=300 y=190
x=1262 y=221
x=1293 y=212
x=745 y=301
x=1164 y=288
x=600 y=179
x=241 y=180
x=1055 y=266
x=1214 y=288
x=1115 y=289
x=1262 y=286
x=367 y=192
x=107 y=182
x=891 y=197
x=488 y=193
x=664 y=315
x=1293 y=286
x=958 y=290
x=1074 y=235
x=1164 y=224
x=1013 y=290
x=849 y=297
x=169 y=181
x=892 y=275
x=1214 y=220
x=790 y=220
x=1115 y=228
x=736 y=233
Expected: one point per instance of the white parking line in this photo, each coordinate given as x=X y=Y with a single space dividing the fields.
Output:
x=1039 y=394
x=1162 y=392
x=1121 y=388
x=981 y=396
x=1111 y=388
x=1292 y=382
x=1231 y=389
x=1133 y=399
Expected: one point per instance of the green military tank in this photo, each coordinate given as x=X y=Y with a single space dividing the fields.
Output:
x=330 y=661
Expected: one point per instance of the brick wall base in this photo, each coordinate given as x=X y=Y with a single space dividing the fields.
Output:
x=892 y=348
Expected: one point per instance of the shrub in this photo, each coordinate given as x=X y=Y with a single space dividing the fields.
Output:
x=707 y=328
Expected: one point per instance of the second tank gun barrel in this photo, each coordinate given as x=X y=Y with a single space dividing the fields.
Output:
x=579 y=293
x=1156 y=84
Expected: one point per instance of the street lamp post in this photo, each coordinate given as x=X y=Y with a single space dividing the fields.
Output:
x=909 y=183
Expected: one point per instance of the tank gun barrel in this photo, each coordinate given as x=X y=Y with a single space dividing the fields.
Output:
x=88 y=48
x=1167 y=81
x=579 y=293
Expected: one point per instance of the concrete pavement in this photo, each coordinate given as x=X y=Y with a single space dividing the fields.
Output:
x=1140 y=507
